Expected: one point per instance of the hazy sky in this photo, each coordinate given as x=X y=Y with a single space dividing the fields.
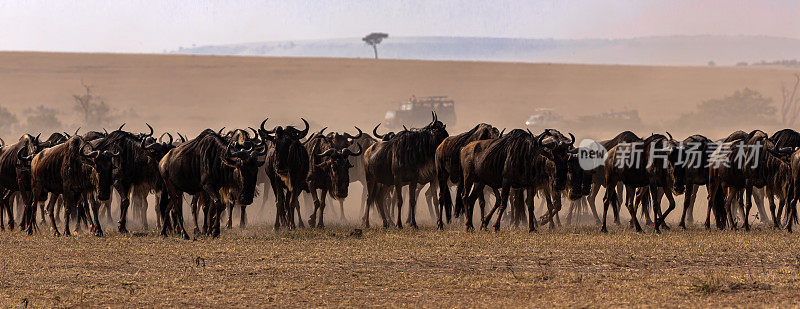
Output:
x=156 y=25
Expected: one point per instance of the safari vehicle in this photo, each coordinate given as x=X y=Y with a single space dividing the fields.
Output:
x=544 y=118
x=416 y=112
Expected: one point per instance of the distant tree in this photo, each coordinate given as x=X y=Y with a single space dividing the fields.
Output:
x=93 y=109
x=741 y=64
x=742 y=108
x=7 y=120
x=373 y=39
x=712 y=63
x=42 y=119
x=790 y=106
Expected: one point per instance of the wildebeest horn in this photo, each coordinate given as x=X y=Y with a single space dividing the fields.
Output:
x=263 y=129
x=501 y=132
x=2 y=141
x=106 y=131
x=347 y=135
x=531 y=133
x=571 y=139
x=23 y=158
x=111 y=154
x=305 y=131
x=151 y=130
x=539 y=139
x=183 y=139
x=220 y=130
x=434 y=116
x=162 y=136
x=120 y=127
x=670 y=135
x=322 y=131
x=375 y=131
x=404 y=128
x=37 y=136
x=348 y=152
x=326 y=153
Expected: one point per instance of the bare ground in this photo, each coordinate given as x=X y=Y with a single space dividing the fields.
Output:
x=575 y=267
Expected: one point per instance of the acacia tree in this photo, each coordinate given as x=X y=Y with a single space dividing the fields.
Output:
x=93 y=109
x=373 y=39
x=790 y=107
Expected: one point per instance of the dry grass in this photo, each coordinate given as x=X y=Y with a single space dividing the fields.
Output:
x=576 y=267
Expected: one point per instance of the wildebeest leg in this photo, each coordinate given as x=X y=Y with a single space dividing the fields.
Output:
x=688 y=201
x=398 y=192
x=671 y=201
x=791 y=211
x=486 y=219
x=729 y=200
x=96 y=228
x=242 y=216
x=195 y=211
x=70 y=203
x=41 y=208
x=51 y=214
x=294 y=203
x=229 y=207
x=503 y=202
x=776 y=216
x=312 y=220
x=655 y=194
x=412 y=205
x=125 y=202
x=749 y=193
x=618 y=204
x=341 y=209
x=530 y=193
x=591 y=201
x=321 y=223
x=630 y=191
x=608 y=198
x=279 y=207
x=6 y=200
x=468 y=201
x=758 y=197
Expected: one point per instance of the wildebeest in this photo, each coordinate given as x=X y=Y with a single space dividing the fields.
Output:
x=448 y=167
x=405 y=160
x=651 y=164
x=503 y=163
x=135 y=172
x=207 y=165
x=287 y=169
x=80 y=177
x=15 y=175
x=329 y=169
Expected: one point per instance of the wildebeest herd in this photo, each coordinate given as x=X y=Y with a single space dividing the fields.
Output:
x=76 y=173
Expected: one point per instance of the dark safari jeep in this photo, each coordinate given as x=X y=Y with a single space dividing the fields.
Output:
x=416 y=112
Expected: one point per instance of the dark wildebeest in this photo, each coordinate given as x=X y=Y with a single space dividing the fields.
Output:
x=156 y=150
x=651 y=164
x=15 y=175
x=287 y=169
x=771 y=172
x=782 y=139
x=405 y=160
x=135 y=172
x=80 y=177
x=329 y=169
x=448 y=168
x=244 y=140
x=207 y=165
x=598 y=175
x=505 y=163
x=697 y=149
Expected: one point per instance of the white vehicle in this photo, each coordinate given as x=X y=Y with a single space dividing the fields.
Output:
x=544 y=118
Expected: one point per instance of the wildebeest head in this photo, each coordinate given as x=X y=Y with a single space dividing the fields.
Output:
x=103 y=164
x=245 y=163
x=661 y=146
x=336 y=163
x=31 y=146
x=436 y=129
x=343 y=140
x=157 y=149
x=563 y=153
x=286 y=142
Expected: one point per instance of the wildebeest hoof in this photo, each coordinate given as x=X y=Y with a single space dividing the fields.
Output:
x=603 y=230
x=122 y=229
x=439 y=225
x=470 y=228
